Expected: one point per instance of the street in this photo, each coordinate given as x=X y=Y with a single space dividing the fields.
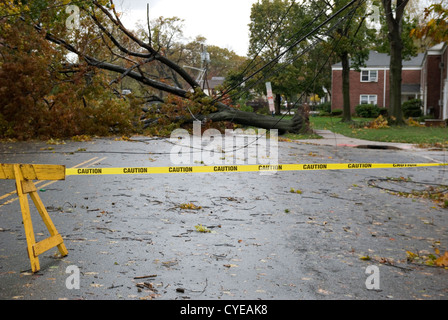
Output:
x=138 y=236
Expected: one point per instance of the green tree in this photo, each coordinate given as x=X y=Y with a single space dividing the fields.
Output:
x=351 y=41
x=410 y=46
x=271 y=27
x=274 y=27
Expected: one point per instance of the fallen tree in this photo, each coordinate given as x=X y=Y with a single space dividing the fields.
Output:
x=130 y=62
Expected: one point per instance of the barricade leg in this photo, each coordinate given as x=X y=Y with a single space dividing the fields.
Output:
x=25 y=187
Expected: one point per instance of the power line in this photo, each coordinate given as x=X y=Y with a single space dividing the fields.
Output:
x=272 y=61
x=270 y=65
x=329 y=56
x=269 y=38
x=292 y=46
x=349 y=16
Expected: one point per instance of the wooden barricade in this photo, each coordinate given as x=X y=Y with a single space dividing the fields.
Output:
x=24 y=174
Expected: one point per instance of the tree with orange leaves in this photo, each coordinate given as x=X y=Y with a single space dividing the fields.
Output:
x=436 y=26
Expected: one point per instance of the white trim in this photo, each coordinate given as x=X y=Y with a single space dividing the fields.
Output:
x=385 y=87
x=445 y=101
x=412 y=68
x=371 y=68
x=425 y=103
x=435 y=52
x=380 y=68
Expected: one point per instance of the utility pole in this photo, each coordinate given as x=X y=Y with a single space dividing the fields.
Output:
x=205 y=60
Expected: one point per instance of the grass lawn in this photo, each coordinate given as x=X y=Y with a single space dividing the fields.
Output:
x=406 y=134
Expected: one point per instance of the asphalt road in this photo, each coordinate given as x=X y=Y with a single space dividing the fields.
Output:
x=130 y=239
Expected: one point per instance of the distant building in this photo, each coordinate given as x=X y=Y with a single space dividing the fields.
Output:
x=370 y=85
x=210 y=87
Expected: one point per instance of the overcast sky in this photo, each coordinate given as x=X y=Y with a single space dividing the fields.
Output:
x=223 y=22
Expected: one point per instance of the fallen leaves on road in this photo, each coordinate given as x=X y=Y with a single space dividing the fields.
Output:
x=55 y=142
x=189 y=206
x=436 y=259
x=292 y=190
x=201 y=228
x=324 y=292
x=149 y=288
x=82 y=138
x=442 y=261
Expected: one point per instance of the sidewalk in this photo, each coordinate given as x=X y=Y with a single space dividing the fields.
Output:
x=334 y=139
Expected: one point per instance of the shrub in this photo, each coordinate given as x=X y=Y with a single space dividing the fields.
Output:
x=367 y=111
x=246 y=108
x=325 y=107
x=412 y=108
x=264 y=110
x=384 y=112
x=336 y=112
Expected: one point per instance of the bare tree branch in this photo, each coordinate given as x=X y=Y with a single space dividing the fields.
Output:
x=185 y=75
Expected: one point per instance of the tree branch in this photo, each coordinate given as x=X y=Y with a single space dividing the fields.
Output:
x=153 y=52
x=116 y=43
x=222 y=113
x=399 y=12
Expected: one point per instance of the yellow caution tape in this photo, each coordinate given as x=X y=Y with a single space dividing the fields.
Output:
x=243 y=168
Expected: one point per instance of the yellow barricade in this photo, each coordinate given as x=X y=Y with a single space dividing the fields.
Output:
x=23 y=174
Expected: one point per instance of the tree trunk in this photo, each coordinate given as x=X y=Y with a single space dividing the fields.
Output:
x=396 y=66
x=278 y=104
x=298 y=124
x=394 y=20
x=347 y=111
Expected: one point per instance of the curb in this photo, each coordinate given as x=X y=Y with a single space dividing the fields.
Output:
x=333 y=139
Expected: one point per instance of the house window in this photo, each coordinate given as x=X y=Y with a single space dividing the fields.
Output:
x=369 y=76
x=369 y=99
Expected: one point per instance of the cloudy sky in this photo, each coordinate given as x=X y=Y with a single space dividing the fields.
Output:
x=223 y=23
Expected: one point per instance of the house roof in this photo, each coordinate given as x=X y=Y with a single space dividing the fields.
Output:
x=437 y=47
x=382 y=60
x=214 y=82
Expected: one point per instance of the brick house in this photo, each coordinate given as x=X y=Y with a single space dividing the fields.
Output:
x=371 y=84
x=434 y=82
